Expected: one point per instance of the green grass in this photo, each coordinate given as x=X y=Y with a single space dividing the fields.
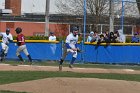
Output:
x=21 y=76
x=6 y=91
x=7 y=77
x=89 y=65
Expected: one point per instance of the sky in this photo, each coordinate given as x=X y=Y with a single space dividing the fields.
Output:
x=34 y=6
x=38 y=6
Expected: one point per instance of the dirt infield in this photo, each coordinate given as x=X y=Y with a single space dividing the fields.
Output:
x=71 y=85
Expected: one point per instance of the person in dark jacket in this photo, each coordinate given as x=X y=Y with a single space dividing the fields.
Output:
x=135 y=38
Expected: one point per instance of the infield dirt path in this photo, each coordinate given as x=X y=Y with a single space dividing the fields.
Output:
x=72 y=85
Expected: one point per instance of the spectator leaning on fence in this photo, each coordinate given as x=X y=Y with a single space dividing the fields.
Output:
x=101 y=39
x=121 y=37
x=95 y=37
x=112 y=38
x=135 y=38
x=89 y=38
x=106 y=36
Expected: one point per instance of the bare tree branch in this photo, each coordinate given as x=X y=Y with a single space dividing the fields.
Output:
x=138 y=5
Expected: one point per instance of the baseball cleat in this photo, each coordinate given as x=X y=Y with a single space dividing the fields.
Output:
x=21 y=63
x=30 y=63
x=70 y=66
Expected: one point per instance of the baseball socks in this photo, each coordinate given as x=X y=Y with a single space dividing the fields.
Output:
x=30 y=59
x=61 y=61
x=72 y=61
x=60 y=64
x=21 y=59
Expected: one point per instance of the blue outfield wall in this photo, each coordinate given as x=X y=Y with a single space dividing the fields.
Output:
x=92 y=53
x=38 y=51
x=112 y=54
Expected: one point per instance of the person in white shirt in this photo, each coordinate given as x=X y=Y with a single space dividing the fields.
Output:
x=52 y=37
x=89 y=38
x=121 y=37
x=6 y=39
x=70 y=47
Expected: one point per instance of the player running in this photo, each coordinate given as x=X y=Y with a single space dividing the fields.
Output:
x=6 y=39
x=70 y=46
x=21 y=45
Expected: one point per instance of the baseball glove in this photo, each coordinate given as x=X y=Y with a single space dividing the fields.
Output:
x=78 y=50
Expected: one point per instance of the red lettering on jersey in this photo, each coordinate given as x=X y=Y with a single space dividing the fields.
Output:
x=21 y=39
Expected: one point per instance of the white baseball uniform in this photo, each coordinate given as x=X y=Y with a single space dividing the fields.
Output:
x=71 y=42
x=5 y=41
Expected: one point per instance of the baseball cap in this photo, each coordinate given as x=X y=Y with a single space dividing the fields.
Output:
x=51 y=32
x=135 y=33
x=91 y=32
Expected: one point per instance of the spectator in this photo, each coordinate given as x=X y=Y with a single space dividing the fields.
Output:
x=106 y=37
x=116 y=34
x=95 y=37
x=135 y=38
x=52 y=37
x=112 y=38
x=90 y=36
x=101 y=39
x=121 y=36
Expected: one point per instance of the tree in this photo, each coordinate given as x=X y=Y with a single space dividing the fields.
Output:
x=95 y=9
x=138 y=22
x=138 y=5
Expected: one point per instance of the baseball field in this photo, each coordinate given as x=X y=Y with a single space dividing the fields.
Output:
x=83 y=78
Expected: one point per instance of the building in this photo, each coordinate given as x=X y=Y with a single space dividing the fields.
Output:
x=34 y=24
x=15 y=5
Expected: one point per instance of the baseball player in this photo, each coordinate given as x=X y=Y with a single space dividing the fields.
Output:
x=6 y=39
x=70 y=46
x=21 y=45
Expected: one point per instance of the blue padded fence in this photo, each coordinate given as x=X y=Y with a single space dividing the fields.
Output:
x=91 y=52
x=112 y=54
x=38 y=51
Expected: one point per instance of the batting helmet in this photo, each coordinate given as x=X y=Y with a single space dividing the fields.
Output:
x=7 y=30
x=18 y=30
x=75 y=29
